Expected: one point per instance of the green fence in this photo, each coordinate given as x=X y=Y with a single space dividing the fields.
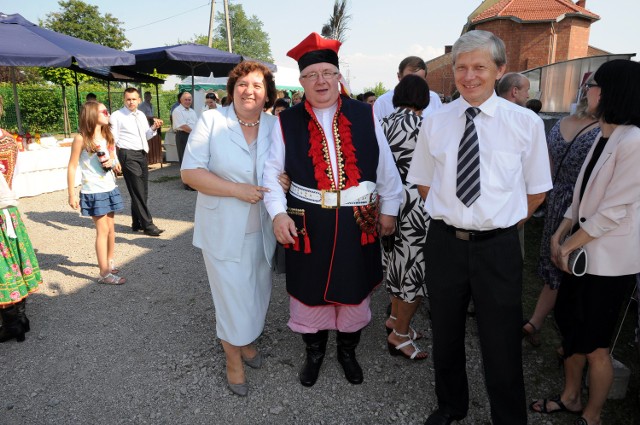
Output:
x=41 y=107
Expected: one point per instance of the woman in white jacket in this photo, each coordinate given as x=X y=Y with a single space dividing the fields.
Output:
x=604 y=219
x=223 y=161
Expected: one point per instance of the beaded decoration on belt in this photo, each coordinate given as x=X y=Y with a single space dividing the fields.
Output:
x=367 y=218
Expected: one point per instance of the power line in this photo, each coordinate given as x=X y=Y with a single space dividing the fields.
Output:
x=170 y=17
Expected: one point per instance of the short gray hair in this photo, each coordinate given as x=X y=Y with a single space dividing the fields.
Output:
x=478 y=39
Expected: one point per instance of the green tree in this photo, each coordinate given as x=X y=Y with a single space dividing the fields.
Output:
x=378 y=89
x=336 y=27
x=247 y=36
x=81 y=20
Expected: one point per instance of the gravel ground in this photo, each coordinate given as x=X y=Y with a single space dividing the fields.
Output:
x=146 y=353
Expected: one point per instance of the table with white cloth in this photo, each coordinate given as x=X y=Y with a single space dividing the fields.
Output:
x=42 y=171
x=170 y=149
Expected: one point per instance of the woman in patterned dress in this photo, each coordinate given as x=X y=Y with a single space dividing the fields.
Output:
x=404 y=260
x=19 y=270
x=569 y=142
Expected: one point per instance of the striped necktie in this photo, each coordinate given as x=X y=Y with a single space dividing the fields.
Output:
x=468 y=177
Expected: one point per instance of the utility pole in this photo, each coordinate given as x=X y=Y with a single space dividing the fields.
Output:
x=226 y=15
x=211 y=17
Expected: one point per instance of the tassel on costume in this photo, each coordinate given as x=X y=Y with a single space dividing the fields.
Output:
x=307 y=244
x=296 y=244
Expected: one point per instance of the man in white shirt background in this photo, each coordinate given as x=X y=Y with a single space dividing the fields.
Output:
x=131 y=131
x=383 y=106
x=482 y=164
x=184 y=120
x=146 y=107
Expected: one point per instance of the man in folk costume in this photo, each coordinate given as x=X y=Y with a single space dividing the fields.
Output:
x=345 y=193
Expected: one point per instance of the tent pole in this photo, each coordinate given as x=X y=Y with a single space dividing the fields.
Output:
x=75 y=76
x=158 y=102
x=65 y=112
x=15 y=98
x=109 y=94
x=160 y=129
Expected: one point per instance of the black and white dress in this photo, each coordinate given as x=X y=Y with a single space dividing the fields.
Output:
x=405 y=264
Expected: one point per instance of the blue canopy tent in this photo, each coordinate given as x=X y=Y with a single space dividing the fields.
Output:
x=26 y=44
x=188 y=59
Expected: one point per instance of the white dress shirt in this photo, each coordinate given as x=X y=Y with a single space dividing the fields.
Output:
x=131 y=130
x=383 y=106
x=514 y=163
x=388 y=184
x=183 y=116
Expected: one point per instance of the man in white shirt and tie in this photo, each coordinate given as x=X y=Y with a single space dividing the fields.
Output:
x=131 y=131
x=481 y=163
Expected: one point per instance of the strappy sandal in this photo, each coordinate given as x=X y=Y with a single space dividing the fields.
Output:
x=112 y=266
x=543 y=406
x=396 y=350
x=412 y=332
x=111 y=279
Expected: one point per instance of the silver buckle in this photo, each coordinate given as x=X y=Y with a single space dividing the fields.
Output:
x=322 y=196
x=462 y=235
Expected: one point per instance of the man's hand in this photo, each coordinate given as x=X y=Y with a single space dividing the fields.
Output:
x=386 y=225
x=285 y=182
x=284 y=228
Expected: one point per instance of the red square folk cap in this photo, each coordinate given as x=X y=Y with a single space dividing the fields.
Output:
x=315 y=49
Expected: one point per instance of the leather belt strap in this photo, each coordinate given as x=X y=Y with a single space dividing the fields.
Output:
x=363 y=194
x=472 y=235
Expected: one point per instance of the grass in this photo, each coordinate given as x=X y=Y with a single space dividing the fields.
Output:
x=548 y=380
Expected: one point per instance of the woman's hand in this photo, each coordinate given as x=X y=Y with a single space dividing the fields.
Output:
x=561 y=259
x=250 y=193
x=117 y=168
x=285 y=182
x=73 y=201
x=107 y=164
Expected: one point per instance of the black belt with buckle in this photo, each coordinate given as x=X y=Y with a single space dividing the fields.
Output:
x=473 y=235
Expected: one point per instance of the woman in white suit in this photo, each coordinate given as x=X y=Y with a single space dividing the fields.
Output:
x=604 y=219
x=223 y=161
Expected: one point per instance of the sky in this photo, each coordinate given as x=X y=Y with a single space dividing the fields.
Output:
x=381 y=32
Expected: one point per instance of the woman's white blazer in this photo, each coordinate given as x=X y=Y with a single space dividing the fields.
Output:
x=218 y=145
x=610 y=207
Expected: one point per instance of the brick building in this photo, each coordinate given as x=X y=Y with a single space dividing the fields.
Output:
x=535 y=33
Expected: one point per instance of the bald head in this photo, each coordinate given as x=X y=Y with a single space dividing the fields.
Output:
x=514 y=87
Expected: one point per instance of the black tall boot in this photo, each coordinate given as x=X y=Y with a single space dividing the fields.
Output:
x=316 y=347
x=21 y=306
x=11 y=325
x=347 y=343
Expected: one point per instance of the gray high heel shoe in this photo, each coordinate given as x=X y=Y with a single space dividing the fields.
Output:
x=255 y=362
x=239 y=389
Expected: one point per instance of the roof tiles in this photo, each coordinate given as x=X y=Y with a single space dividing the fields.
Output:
x=533 y=10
